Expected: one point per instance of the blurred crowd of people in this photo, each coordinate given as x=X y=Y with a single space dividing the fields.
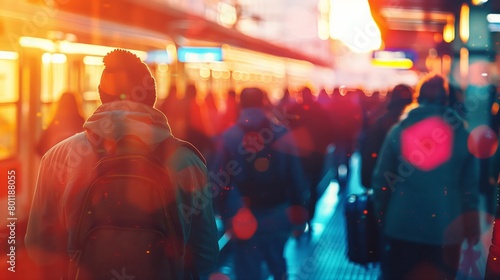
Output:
x=266 y=160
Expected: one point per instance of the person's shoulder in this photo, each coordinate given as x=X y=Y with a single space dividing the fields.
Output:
x=184 y=153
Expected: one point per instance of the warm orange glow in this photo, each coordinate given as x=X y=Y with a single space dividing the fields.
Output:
x=482 y=142
x=449 y=29
x=352 y=23
x=464 y=23
x=67 y=47
x=446 y=65
x=8 y=55
x=478 y=2
x=464 y=66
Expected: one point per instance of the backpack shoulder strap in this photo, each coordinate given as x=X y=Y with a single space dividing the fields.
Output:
x=133 y=143
x=170 y=145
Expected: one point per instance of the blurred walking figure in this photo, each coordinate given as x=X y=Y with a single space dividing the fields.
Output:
x=347 y=121
x=263 y=189
x=400 y=97
x=77 y=174
x=66 y=122
x=230 y=114
x=426 y=189
x=313 y=131
x=196 y=122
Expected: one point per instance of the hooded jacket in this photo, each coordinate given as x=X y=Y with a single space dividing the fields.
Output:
x=425 y=180
x=270 y=183
x=64 y=170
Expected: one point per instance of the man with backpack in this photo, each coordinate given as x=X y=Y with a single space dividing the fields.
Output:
x=124 y=199
x=263 y=191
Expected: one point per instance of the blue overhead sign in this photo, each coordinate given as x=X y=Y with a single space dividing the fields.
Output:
x=199 y=54
x=394 y=54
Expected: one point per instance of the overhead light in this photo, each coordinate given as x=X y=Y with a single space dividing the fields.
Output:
x=71 y=47
x=493 y=18
x=352 y=23
x=464 y=23
x=478 y=2
x=5 y=55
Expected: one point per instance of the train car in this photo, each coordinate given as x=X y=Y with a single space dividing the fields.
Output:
x=51 y=47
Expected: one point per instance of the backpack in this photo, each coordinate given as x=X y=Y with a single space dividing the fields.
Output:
x=129 y=226
x=261 y=176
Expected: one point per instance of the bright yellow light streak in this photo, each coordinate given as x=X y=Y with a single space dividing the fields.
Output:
x=72 y=48
x=9 y=55
x=464 y=65
x=478 y=2
x=79 y=48
x=323 y=24
x=402 y=63
x=58 y=58
x=449 y=29
x=93 y=60
x=39 y=43
x=464 y=23
x=172 y=51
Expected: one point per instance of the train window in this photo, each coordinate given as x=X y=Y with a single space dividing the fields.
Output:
x=8 y=77
x=93 y=71
x=54 y=73
x=9 y=96
x=54 y=83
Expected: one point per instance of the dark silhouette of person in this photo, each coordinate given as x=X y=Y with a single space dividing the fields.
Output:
x=66 y=122
x=262 y=188
x=174 y=109
x=230 y=114
x=347 y=118
x=313 y=131
x=399 y=98
x=426 y=189
x=128 y=93
x=492 y=263
x=196 y=122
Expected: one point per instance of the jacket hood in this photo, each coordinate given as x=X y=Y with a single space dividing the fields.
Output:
x=424 y=111
x=112 y=121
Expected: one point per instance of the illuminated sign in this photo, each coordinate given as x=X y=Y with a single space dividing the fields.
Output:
x=199 y=54
x=159 y=57
x=401 y=59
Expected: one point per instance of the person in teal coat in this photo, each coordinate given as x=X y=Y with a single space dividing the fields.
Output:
x=426 y=189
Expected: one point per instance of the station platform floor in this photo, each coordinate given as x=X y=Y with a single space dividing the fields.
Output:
x=323 y=254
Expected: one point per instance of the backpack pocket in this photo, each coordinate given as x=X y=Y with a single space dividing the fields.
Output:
x=124 y=253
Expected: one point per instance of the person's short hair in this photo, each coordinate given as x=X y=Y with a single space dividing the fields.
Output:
x=401 y=96
x=433 y=89
x=126 y=77
x=251 y=97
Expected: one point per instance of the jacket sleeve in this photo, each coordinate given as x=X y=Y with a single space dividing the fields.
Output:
x=469 y=183
x=196 y=211
x=385 y=175
x=46 y=237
